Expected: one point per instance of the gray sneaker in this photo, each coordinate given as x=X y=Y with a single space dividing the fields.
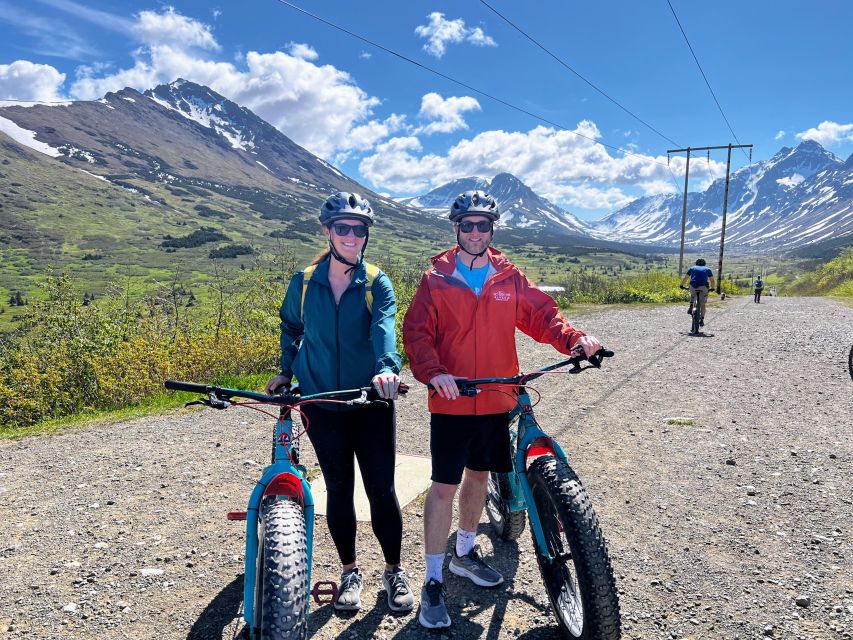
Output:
x=433 y=613
x=349 y=592
x=400 y=596
x=473 y=567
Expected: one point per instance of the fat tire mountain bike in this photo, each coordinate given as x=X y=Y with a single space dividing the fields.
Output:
x=280 y=516
x=570 y=548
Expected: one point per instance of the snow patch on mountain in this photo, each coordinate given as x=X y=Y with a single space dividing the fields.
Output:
x=27 y=138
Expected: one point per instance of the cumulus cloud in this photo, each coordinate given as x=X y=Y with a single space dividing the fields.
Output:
x=318 y=106
x=170 y=28
x=779 y=134
x=445 y=114
x=302 y=50
x=565 y=168
x=828 y=133
x=24 y=80
x=439 y=32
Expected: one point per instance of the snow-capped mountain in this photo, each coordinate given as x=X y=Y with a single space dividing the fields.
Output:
x=800 y=196
x=183 y=137
x=521 y=208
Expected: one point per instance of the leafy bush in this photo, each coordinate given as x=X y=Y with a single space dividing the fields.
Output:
x=231 y=251
x=194 y=239
x=835 y=278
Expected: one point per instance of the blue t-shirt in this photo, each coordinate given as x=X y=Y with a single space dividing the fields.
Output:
x=475 y=278
x=699 y=276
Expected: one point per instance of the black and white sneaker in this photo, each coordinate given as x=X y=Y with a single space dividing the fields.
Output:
x=349 y=592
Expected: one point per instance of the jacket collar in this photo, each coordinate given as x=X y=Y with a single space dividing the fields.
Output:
x=321 y=273
x=445 y=262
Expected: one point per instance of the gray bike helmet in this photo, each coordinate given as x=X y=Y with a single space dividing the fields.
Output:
x=474 y=203
x=346 y=205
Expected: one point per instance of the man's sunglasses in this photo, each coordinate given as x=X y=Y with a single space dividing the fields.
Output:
x=466 y=226
x=343 y=230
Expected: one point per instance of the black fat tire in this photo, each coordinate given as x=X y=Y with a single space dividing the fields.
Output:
x=557 y=491
x=697 y=316
x=283 y=573
x=507 y=524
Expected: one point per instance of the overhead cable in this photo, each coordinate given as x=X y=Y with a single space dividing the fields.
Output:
x=464 y=84
x=566 y=65
x=702 y=71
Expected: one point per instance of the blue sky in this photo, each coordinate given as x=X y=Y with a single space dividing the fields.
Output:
x=781 y=71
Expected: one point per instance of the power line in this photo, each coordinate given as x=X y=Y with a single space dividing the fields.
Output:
x=464 y=84
x=702 y=71
x=567 y=66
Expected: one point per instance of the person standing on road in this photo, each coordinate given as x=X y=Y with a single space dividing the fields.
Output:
x=461 y=323
x=701 y=282
x=333 y=340
x=759 y=287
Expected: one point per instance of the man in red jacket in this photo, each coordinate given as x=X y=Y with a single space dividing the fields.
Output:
x=461 y=324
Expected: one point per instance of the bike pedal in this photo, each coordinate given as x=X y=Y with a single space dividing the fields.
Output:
x=236 y=515
x=325 y=588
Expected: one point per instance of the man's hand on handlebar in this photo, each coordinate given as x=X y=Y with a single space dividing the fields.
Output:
x=586 y=346
x=445 y=386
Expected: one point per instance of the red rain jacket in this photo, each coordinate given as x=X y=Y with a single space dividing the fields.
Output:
x=448 y=329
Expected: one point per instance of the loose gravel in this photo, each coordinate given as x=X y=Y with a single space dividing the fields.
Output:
x=721 y=469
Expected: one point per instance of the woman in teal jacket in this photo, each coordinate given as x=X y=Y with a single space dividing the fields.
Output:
x=338 y=332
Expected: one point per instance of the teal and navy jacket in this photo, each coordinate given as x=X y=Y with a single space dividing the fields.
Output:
x=342 y=345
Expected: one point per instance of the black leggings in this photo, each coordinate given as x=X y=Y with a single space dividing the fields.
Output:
x=369 y=434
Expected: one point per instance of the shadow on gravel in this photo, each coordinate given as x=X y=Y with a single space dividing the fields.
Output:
x=698 y=335
x=220 y=614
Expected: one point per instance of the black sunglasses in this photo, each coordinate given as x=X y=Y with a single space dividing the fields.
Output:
x=466 y=226
x=343 y=230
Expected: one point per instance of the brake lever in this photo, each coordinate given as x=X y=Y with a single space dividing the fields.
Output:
x=211 y=401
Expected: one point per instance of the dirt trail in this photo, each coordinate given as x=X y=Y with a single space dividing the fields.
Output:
x=717 y=526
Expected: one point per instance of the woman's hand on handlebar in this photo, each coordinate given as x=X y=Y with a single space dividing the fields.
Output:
x=386 y=385
x=274 y=385
x=445 y=385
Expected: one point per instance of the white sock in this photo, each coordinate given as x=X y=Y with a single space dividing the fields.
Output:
x=464 y=542
x=434 y=566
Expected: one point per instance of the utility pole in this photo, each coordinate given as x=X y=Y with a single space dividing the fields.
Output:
x=725 y=202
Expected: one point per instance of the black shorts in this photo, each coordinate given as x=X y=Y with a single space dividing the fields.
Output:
x=480 y=443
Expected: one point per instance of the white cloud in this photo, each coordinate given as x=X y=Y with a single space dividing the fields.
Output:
x=563 y=167
x=779 y=134
x=318 y=106
x=445 y=115
x=439 y=32
x=170 y=28
x=302 y=50
x=365 y=55
x=49 y=37
x=103 y=19
x=24 y=80
x=828 y=133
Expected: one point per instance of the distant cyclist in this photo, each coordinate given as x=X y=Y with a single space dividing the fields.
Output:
x=701 y=282
x=759 y=287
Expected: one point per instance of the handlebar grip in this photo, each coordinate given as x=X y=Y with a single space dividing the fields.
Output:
x=177 y=385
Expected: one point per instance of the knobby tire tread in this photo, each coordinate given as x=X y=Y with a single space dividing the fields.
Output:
x=284 y=612
x=513 y=521
x=588 y=548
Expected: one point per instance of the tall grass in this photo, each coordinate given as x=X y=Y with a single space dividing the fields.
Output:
x=72 y=357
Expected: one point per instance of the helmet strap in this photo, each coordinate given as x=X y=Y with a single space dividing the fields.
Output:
x=352 y=265
x=476 y=255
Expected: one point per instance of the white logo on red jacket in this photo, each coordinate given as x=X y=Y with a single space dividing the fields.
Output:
x=502 y=296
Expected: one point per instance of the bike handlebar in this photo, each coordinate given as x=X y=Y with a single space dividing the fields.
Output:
x=467 y=386
x=220 y=397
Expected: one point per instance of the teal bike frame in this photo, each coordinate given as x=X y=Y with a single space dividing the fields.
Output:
x=283 y=479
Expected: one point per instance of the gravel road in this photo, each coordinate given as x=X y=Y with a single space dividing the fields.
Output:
x=735 y=521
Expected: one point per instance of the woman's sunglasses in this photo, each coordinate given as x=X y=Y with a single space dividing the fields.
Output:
x=343 y=230
x=466 y=226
